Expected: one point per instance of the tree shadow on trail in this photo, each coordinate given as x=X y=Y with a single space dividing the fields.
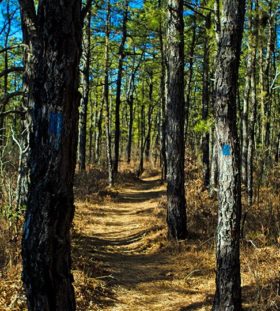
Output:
x=198 y=305
x=139 y=197
x=144 y=184
x=100 y=259
x=119 y=256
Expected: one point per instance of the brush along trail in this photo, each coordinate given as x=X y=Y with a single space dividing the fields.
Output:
x=122 y=260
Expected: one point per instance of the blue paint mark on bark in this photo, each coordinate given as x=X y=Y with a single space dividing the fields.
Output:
x=226 y=150
x=55 y=127
x=26 y=228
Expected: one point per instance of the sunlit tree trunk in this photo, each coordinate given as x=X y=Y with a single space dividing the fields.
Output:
x=253 y=111
x=85 y=94
x=228 y=287
x=176 y=202
x=106 y=98
x=205 y=104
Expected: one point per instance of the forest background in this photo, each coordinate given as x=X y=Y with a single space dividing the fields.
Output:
x=123 y=118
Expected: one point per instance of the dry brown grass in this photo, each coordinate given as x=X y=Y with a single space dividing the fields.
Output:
x=123 y=261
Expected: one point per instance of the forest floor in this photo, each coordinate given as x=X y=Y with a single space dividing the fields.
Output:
x=125 y=240
x=122 y=260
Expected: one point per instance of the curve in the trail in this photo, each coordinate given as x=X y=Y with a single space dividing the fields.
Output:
x=121 y=243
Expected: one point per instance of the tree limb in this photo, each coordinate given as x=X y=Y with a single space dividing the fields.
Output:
x=12 y=69
x=5 y=113
x=5 y=99
x=11 y=48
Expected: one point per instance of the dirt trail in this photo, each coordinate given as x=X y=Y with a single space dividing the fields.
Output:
x=121 y=244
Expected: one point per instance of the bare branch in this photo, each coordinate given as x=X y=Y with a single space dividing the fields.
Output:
x=5 y=113
x=12 y=69
x=11 y=48
x=5 y=99
x=274 y=80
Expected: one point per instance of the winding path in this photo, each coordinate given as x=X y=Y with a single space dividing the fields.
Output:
x=121 y=243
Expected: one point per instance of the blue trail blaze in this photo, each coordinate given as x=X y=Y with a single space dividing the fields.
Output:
x=226 y=150
x=55 y=127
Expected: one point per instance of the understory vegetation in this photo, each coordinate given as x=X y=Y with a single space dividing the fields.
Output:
x=180 y=276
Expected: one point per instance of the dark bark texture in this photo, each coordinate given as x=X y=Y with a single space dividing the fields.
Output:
x=52 y=72
x=228 y=288
x=176 y=202
x=85 y=95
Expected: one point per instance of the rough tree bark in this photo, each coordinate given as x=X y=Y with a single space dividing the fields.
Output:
x=176 y=202
x=52 y=71
x=228 y=288
x=85 y=94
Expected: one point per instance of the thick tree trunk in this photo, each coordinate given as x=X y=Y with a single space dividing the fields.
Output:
x=176 y=202
x=85 y=95
x=228 y=287
x=52 y=71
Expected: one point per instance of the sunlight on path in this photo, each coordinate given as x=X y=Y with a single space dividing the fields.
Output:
x=124 y=239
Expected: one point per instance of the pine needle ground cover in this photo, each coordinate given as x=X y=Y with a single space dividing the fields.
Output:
x=123 y=261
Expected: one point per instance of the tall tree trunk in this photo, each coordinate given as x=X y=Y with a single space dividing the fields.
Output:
x=205 y=104
x=130 y=102
x=52 y=72
x=190 y=76
x=214 y=165
x=106 y=97
x=149 y=123
x=98 y=137
x=254 y=105
x=91 y=136
x=162 y=99
x=176 y=202
x=85 y=95
x=5 y=84
x=121 y=54
x=245 y=112
x=228 y=287
x=142 y=132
